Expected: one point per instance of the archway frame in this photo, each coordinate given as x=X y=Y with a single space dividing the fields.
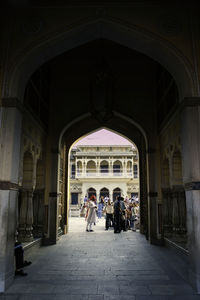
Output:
x=118 y=123
x=137 y=38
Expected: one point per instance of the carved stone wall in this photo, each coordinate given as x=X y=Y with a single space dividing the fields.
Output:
x=173 y=193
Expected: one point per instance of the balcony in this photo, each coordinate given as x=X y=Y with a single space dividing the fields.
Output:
x=90 y=174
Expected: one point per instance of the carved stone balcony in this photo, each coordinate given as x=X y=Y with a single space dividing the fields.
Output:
x=103 y=174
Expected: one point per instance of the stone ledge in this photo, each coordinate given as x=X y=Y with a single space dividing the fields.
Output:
x=179 y=249
x=34 y=243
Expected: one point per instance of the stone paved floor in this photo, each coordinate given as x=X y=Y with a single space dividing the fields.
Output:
x=102 y=266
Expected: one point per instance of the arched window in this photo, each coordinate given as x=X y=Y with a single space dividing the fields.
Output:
x=104 y=192
x=79 y=168
x=91 y=168
x=91 y=192
x=116 y=193
x=135 y=171
x=73 y=171
x=104 y=166
x=129 y=168
x=117 y=168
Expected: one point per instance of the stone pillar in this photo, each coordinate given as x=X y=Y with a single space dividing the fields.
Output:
x=190 y=139
x=84 y=168
x=53 y=199
x=10 y=133
x=152 y=197
x=98 y=168
x=110 y=168
x=97 y=196
x=125 y=165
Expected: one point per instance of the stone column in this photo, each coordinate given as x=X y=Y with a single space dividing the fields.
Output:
x=84 y=168
x=10 y=133
x=53 y=198
x=98 y=168
x=190 y=139
x=97 y=196
x=110 y=168
x=152 y=197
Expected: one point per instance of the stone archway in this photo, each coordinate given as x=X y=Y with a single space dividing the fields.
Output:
x=134 y=37
x=91 y=192
x=135 y=133
x=40 y=52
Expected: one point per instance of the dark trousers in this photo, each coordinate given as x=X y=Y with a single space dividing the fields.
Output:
x=109 y=219
x=117 y=223
x=124 y=224
x=19 y=256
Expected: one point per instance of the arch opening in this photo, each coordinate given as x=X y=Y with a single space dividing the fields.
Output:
x=137 y=39
x=107 y=169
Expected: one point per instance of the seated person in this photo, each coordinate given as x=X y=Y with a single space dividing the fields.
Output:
x=19 y=260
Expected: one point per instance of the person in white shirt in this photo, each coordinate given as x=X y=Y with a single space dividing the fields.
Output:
x=109 y=210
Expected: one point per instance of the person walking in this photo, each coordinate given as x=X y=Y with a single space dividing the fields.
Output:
x=109 y=210
x=91 y=214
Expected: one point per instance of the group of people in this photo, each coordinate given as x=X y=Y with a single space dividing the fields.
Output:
x=123 y=214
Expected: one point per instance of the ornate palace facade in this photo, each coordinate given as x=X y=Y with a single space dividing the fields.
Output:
x=103 y=171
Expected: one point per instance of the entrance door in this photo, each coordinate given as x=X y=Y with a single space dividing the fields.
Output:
x=74 y=198
x=104 y=192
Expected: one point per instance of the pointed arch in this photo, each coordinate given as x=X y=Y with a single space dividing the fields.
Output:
x=129 y=35
x=91 y=167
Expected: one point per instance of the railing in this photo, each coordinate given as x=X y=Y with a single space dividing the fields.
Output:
x=103 y=174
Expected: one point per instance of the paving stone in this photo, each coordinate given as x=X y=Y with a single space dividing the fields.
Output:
x=135 y=290
x=120 y=297
x=171 y=290
x=102 y=266
x=108 y=290
x=9 y=297
x=152 y=297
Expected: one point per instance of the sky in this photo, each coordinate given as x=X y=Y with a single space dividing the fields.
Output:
x=103 y=137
